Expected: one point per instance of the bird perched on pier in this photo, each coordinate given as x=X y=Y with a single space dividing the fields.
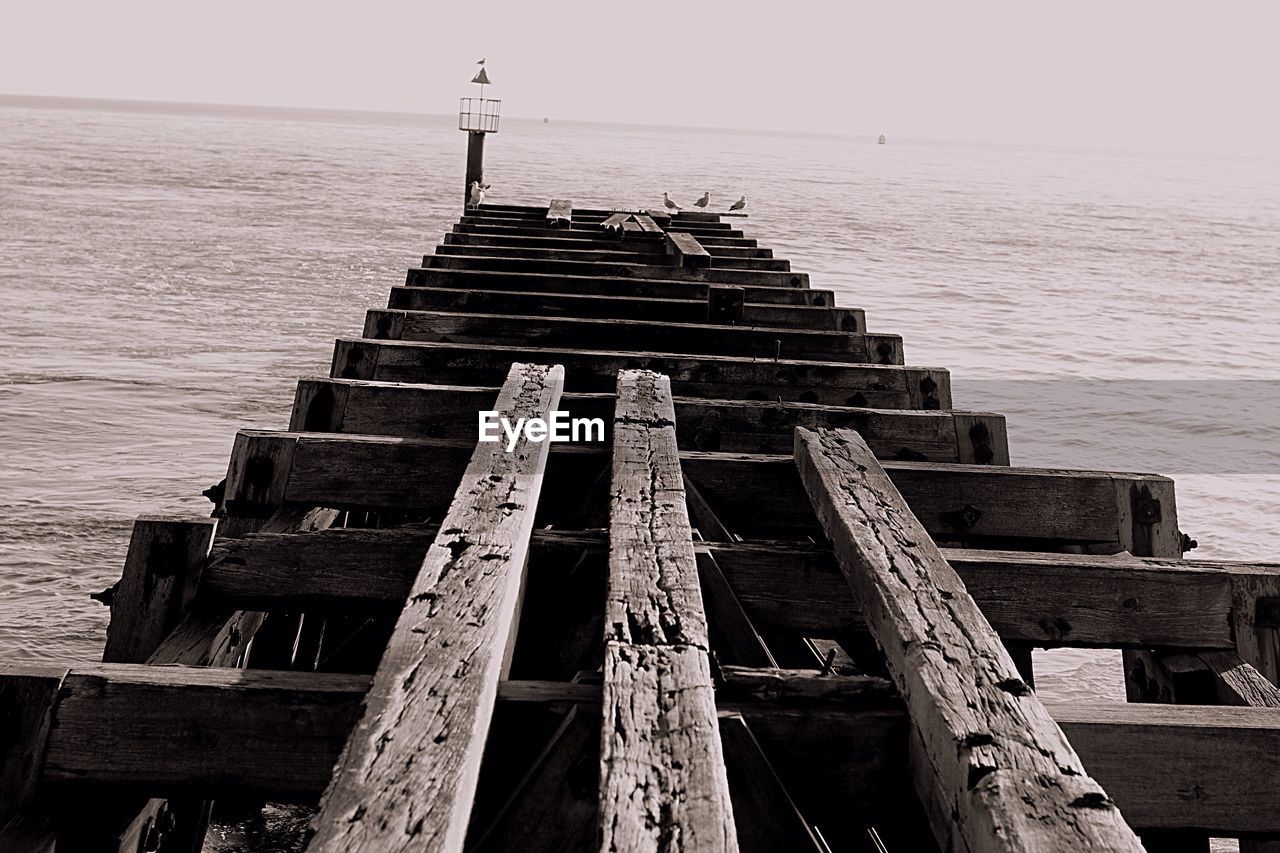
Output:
x=704 y=201
x=476 y=196
x=739 y=204
x=480 y=61
x=668 y=203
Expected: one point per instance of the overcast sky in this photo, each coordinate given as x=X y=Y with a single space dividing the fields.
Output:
x=1170 y=75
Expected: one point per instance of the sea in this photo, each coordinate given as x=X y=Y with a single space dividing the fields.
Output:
x=167 y=271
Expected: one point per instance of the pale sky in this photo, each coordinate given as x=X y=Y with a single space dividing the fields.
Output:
x=1172 y=75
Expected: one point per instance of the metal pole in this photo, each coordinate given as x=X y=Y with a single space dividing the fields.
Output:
x=475 y=162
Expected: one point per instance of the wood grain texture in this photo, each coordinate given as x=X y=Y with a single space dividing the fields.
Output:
x=407 y=777
x=686 y=251
x=161 y=574
x=663 y=783
x=707 y=376
x=992 y=768
x=617 y=306
x=560 y=213
x=611 y=334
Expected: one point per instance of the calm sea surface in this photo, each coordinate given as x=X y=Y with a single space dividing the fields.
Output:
x=166 y=273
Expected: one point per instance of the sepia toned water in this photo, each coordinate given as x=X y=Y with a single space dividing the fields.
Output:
x=166 y=272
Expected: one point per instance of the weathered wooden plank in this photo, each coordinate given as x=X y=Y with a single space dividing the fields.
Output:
x=1069 y=600
x=647 y=224
x=992 y=768
x=605 y=285
x=623 y=307
x=686 y=251
x=164 y=730
x=28 y=699
x=211 y=730
x=722 y=247
x=407 y=776
x=585 y=232
x=708 y=376
x=756 y=495
x=533 y=265
x=640 y=335
x=446 y=411
x=560 y=213
x=161 y=574
x=663 y=781
x=625 y=250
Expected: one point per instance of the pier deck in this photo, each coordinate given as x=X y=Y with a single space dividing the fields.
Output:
x=786 y=601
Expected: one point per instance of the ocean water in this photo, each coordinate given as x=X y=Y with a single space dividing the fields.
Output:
x=167 y=271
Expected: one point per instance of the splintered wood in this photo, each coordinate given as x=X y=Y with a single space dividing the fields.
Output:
x=663 y=783
x=991 y=766
x=407 y=777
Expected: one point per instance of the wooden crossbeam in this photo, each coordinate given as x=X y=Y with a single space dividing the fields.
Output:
x=757 y=495
x=587 y=306
x=560 y=213
x=584 y=232
x=613 y=334
x=992 y=768
x=623 y=251
x=708 y=376
x=719 y=248
x=202 y=730
x=407 y=777
x=605 y=285
x=446 y=411
x=686 y=251
x=534 y=265
x=663 y=783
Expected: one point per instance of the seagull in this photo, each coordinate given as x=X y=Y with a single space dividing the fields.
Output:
x=704 y=201
x=480 y=61
x=739 y=204
x=668 y=203
x=477 y=194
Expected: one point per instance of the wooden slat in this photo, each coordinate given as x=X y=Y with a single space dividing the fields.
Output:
x=708 y=376
x=585 y=232
x=992 y=768
x=663 y=783
x=531 y=265
x=560 y=213
x=606 y=285
x=622 y=307
x=210 y=731
x=718 y=247
x=686 y=251
x=444 y=411
x=28 y=699
x=614 y=334
x=408 y=774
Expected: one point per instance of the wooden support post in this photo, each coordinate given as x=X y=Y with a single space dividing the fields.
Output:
x=475 y=164
x=992 y=768
x=408 y=775
x=725 y=304
x=686 y=251
x=161 y=571
x=28 y=699
x=663 y=783
x=560 y=213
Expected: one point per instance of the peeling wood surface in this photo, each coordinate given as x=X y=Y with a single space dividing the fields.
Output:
x=992 y=768
x=407 y=777
x=663 y=783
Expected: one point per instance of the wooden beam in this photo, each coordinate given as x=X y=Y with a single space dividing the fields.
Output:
x=161 y=574
x=1068 y=600
x=534 y=265
x=205 y=730
x=593 y=306
x=663 y=782
x=708 y=376
x=28 y=700
x=560 y=213
x=707 y=238
x=447 y=411
x=408 y=775
x=753 y=494
x=613 y=334
x=605 y=285
x=686 y=251
x=992 y=768
x=718 y=247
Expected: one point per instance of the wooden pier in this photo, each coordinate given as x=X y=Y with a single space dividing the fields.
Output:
x=786 y=602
